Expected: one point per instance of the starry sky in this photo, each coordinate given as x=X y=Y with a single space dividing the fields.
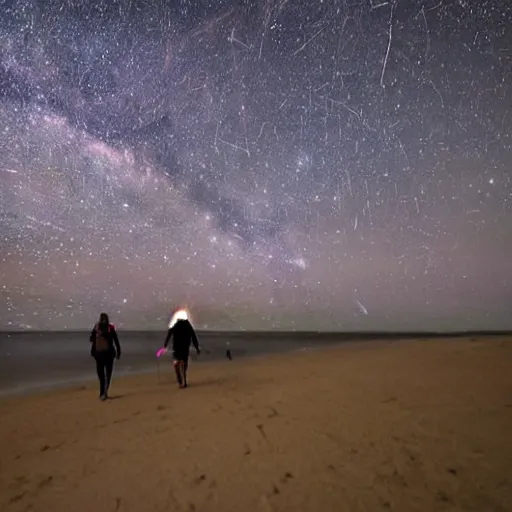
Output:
x=271 y=164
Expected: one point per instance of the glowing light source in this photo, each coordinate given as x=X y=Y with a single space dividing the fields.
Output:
x=180 y=314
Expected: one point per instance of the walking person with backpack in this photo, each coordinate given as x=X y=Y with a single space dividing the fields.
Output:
x=105 y=348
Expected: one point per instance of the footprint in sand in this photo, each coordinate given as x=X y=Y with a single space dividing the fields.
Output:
x=45 y=481
x=200 y=479
x=287 y=476
x=41 y=485
x=47 y=447
x=17 y=497
x=272 y=413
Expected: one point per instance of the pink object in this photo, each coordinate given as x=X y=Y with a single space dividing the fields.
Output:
x=160 y=352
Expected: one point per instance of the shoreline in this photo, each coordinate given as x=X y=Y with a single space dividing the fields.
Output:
x=83 y=382
x=47 y=385
x=29 y=364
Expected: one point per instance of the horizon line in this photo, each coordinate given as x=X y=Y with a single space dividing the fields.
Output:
x=460 y=332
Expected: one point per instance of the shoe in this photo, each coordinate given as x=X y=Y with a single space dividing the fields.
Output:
x=103 y=397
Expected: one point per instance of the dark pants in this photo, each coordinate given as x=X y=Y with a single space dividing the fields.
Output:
x=104 y=367
x=180 y=367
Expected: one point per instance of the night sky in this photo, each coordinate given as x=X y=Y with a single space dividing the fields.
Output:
x=270 y=164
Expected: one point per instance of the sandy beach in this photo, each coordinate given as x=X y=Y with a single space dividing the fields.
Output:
x=379 y=426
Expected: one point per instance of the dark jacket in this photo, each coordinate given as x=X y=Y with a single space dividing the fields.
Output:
x=105 y=341
x=182 y=334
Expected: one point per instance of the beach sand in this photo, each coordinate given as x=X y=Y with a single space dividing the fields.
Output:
x=392 y=426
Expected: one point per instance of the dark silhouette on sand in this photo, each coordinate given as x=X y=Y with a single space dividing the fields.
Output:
x=183 y=335
x=105 y=348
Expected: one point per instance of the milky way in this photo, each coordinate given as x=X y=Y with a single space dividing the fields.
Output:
x=269 y=164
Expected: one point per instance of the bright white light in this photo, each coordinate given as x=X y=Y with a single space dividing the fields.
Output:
x=181 y=314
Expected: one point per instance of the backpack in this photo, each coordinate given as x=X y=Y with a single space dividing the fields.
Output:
x=102 y=343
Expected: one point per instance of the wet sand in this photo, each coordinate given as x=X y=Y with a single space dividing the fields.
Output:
x=377 y=426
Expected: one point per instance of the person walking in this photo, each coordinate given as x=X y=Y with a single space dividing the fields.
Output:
x=105 y=348
x=183 y=335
